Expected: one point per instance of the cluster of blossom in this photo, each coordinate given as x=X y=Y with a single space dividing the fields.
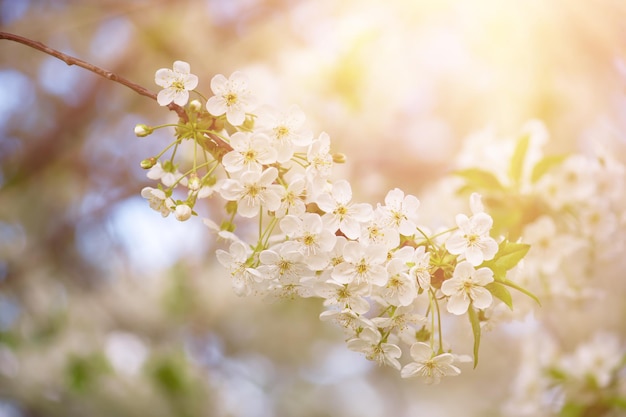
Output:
x=383 y=277
x=570 y=208
x=589 y=380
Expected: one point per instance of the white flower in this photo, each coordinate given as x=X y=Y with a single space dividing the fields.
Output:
x=176 y=84
x=428 y=365
x=158 y=200
x=284 y=264
x=293 y=199
x=378 y=231
x=467 y=285
x=472 y=239
x=182 y=212
x=341 y=213
x=308 y=235
x=349 y=296
x=231 y=97
x=252 y=191
x=400 y=289
x=250 y=151
x=244 y=278
x=167 y=174
x=421 y=268
x=370 y=343
x=362 y=264
x=284 y=129
x=401 y=211
x=320 y=161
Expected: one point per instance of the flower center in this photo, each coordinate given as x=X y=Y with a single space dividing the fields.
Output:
x=281 y=132
x=178 y=85
x=231 y=99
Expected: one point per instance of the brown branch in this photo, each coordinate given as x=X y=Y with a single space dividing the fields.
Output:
x=70 y=60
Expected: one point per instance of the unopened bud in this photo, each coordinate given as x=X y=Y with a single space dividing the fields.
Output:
x=142 y=130
x=194 y=182
x=148 y=163
x=182 y=212
x=195 y=105
x=339 y=158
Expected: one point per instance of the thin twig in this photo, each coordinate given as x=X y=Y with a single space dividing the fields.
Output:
x=70 y=60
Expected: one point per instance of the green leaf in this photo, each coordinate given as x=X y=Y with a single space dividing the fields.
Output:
x=517 y=161
x=509 y=254
x=501 y=292
x=473 y=317
x=479 y=179
x=521 y=289
x=572 y=410
x=544 y=165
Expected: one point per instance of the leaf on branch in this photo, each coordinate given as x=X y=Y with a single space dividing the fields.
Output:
x=517 y=161
x=508 y=256
x=522 y=290
x=546 y=164
x=500 y=292
x=475 y=321
x=479 y=179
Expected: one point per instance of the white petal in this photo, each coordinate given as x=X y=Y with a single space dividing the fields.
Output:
x=216 y=106
x=481 y=297
x=458 y=303
x=166 y=96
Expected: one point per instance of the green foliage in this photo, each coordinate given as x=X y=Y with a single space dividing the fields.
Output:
x=499 y=291
x=517 y=161
x=508 y=256
x=83 y=372
x=475 y=321
x=480 y=179
x=545 y=165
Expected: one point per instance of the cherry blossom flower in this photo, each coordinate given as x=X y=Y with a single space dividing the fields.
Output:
x=341 y=213
x=167 y=174
x=283 y=263
x=401 y=211
x=232 y=97
x=378 y=231
x=253 y=190
x=429 y=366
x=250 y=151
x=176 y=84
x=350 y=295
x=244 y=279
x=400 y=289
x=421 y=268
x=370 y=343
x=467 y=285
x=320 y=163
x=293 y=198
x=285 y=130
x=362 y=264
x=472 y=239
x=158 y=200
x=308 y=235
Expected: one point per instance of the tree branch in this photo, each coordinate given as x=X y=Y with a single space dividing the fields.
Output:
x=70 y=60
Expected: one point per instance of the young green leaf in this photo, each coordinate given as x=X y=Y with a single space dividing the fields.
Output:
x=545 y=165
x=480 y=179
x=521 y=289
x=509 y=254
x=517 y=161
x=473 y=317
x=501 y=292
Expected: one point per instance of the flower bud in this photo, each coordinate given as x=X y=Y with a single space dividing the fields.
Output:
x=339 y=158
x=194 y=182
x=148 y=163
x=195 y=106
x=142 y=130
x=182 y=212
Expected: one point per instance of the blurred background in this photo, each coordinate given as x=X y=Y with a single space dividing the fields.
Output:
x=106 y=309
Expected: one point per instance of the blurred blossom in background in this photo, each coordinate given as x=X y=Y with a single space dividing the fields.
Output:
x=107 y=309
